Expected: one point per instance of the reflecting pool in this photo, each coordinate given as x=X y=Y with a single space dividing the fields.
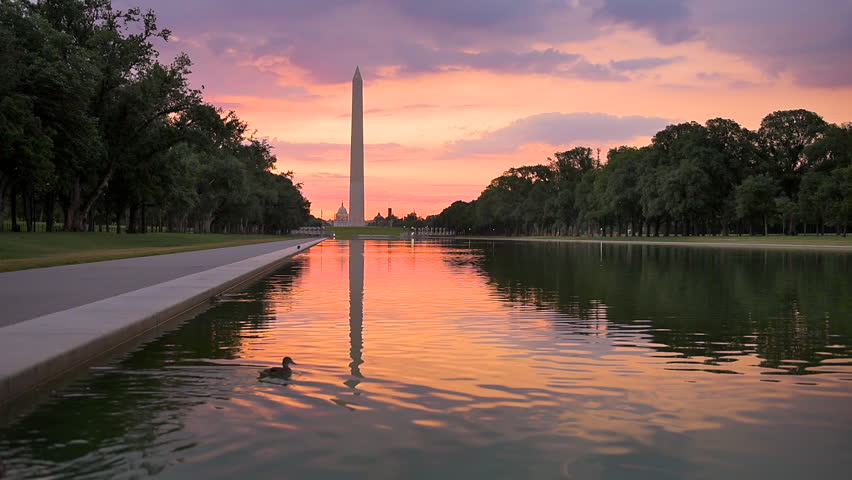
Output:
x=463 y=359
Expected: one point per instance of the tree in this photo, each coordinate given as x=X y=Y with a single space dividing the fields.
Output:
x=24 y=150
x=814 y=198
x=738 y=158
x=623 y=165
x=842 y=198
x=412 y=221
x=756 y=199
x=459 y=217
x=569 y=168
x=784 y=137
x=832 y=150
x=90 y=117
x=691 y=179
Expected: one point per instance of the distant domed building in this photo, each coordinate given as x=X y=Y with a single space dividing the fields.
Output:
x=341 y=218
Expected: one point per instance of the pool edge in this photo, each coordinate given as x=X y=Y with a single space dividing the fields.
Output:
x=42 y=349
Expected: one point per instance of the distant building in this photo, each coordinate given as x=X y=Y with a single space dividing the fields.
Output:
x=377 y=221
x=341 y=218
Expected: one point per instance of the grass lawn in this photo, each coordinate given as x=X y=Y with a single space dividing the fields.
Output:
x=346 y=233
x=809 y=240
x=19 y=251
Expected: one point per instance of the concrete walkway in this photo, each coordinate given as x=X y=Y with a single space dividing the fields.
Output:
x=32 y=293
x=58 y=318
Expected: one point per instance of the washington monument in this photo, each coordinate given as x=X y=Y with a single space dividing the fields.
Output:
x=356 y=154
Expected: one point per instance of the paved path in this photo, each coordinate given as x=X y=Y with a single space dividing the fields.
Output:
x=32 y=293
x=61 y=318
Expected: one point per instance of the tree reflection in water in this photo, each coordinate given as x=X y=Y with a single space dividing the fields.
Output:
x=791 y=308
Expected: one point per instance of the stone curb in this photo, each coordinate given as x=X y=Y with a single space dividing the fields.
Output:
x=39 y=350
x=768 y=246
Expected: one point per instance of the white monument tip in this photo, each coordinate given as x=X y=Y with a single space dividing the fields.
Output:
x=357 y=73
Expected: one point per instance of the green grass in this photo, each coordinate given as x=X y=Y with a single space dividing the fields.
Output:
x=346 y=233
x=19 y=251
x=809 y=240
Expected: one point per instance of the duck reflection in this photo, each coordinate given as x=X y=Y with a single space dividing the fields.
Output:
x=356 y=310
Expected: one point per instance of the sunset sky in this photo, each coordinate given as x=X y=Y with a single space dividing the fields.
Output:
x=458 y=91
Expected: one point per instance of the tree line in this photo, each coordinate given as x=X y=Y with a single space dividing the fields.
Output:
x=793 y=175
x=412 y=220
x=96 y=130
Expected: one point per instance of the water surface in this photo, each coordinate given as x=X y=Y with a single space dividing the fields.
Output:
x=479 y=360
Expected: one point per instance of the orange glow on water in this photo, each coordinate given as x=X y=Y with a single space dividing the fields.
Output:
x=474 y=362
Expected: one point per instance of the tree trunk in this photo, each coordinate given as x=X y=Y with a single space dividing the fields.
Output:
x=132 y=225
x=25 y=202
x=49 y=201
x=73 y=218
x=95 y=195
x=14 y=210
x=207 y=223
x=5 y=187
x=29 y=210
x=765 y=227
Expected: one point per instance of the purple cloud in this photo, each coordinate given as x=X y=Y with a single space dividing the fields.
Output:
x=515 y=15
x=667 y=20
x=644 y=63
x=550 y=61
x=558 y=129
x=810 y=40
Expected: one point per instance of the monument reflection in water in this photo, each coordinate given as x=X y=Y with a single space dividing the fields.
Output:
x=479 y=360
x=356 y=308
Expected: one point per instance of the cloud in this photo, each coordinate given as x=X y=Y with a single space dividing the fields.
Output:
x=810 y=40
x=415 y=59
x=327 y=176
x=479 y=13
x=719 y=78
x=310 y=152
x=407 y=108
x=678 y=86
x=710 y=76
x=558 y=129
x=667 y=20
x=742 y=85
x=644 y=63
x=550 y=61
x=325 y=38
x=320 y=152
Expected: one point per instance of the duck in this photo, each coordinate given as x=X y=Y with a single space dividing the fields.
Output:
x=284 y=371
